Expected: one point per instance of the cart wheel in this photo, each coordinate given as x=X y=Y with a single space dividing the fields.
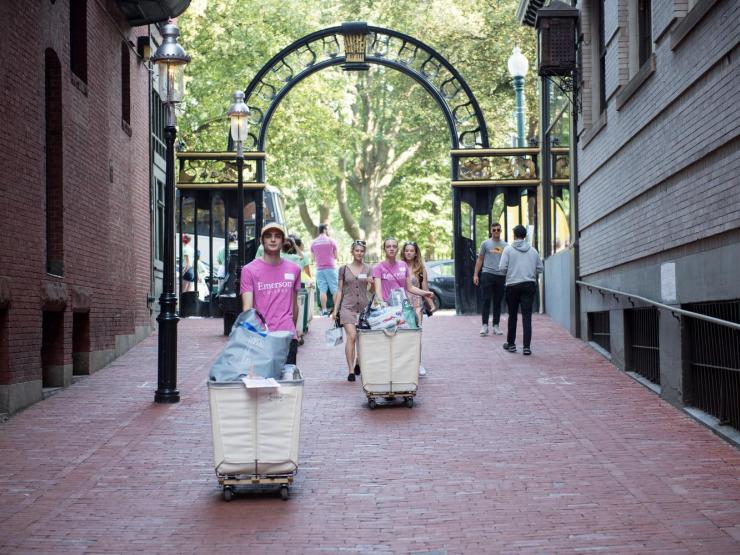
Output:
x=409 y=402
x=372 y=403
x=228 y=494
x=284 y=493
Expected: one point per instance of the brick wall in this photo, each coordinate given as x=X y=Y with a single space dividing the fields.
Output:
x=667 y=162
x=105 y=176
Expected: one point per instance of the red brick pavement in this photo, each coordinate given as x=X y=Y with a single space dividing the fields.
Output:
x=558 y=452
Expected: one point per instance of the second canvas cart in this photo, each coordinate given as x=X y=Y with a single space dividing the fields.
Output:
x=389 y=360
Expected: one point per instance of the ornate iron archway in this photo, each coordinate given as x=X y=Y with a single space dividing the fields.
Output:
x=475 y=178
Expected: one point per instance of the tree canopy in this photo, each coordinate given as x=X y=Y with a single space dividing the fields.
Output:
x=366 y=151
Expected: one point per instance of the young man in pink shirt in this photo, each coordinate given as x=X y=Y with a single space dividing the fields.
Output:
x=270 y=284
x=324 y=251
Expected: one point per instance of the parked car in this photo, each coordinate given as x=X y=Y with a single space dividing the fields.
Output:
x=441 y=275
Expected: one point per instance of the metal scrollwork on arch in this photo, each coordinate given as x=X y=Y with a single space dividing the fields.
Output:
x=355 y=46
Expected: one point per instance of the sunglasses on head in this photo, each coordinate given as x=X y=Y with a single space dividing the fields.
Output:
x=358 y=242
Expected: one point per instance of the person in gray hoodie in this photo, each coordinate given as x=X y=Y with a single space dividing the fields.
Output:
x=522 y=264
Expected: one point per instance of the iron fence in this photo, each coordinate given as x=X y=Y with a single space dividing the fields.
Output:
x=598 y=329
x=713 y=380
x=643 y=355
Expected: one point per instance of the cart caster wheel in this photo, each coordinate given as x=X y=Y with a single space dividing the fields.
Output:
x=409 y=402
x=228 y=494
x=284 y=493
x=372 y=403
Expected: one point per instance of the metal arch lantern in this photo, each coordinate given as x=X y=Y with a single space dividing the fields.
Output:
x=171 y=60
x=556 y=33
x=239 y=115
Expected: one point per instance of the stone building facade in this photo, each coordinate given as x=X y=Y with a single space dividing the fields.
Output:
x=75 y=276
x=658 y=215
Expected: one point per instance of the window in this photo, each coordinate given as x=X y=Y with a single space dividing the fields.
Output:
x=78 y=38
x=125 y=84
x=54 y=164
x=598 y=74
x=644 y=30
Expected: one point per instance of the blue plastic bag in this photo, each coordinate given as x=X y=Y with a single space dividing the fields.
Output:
x=251 y=348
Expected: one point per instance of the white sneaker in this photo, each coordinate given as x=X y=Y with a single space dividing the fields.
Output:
x=484 y=329
x=497 y=331
x=422 y=371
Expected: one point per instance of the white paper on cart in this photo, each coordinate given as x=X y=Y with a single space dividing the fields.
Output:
x=261 y=383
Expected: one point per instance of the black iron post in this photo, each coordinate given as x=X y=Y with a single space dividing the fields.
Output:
x=167 y=342
x=240 y=213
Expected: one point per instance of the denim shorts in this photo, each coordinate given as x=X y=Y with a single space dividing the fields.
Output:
x=326 y=280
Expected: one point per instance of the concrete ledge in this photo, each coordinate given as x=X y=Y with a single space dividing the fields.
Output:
x=599 y=349
x=101 y=358
x=17 y=396
x=125 y=342
x=654 y=387
x=727 y=433
x=57 y=375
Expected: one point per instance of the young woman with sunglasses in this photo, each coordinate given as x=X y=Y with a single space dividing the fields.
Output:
x=351 y=298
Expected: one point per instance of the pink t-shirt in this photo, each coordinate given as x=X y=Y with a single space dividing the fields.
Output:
x=324 y=250
x=272 y=288
x=391 y=276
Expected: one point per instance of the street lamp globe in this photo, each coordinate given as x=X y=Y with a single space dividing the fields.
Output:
x=518 y=64
x=171 y=60
x=239 y=115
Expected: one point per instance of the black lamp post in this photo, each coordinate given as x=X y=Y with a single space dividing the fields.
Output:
x=239 y=115
x=171 y=60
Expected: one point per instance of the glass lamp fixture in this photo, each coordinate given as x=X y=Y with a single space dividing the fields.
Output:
x=518 y=64
x=171 y=60
x=239 y=115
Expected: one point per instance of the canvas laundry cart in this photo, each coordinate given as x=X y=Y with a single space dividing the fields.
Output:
x=255 y=434
x=390 y=361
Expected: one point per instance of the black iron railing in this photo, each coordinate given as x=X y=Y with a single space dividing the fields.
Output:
x=643 y=354
x=713 y=380
x=598 y=329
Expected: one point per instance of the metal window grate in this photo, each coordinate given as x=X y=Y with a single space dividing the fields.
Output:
x=713 y=383
x=598 y=329
x=642 y=342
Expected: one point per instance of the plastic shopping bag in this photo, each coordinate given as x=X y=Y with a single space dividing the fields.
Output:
x=251 y=347
x=333 y=336
x=385 y=318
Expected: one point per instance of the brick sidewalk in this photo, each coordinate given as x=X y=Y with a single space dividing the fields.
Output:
x=558 y=452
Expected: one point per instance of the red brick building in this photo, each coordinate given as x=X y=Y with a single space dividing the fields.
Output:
x=75 y=234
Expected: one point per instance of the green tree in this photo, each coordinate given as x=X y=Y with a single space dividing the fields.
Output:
x=367 y=152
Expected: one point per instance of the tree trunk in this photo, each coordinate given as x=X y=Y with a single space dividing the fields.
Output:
x=306 y=218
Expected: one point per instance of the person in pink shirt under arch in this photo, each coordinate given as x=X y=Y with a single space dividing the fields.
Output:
x=324 y=251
